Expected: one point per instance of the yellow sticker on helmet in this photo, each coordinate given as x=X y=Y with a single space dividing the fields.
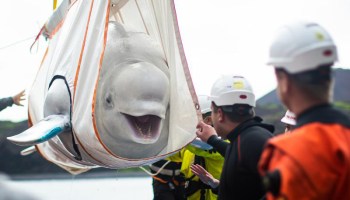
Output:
x=319 y=36
x=238 y=85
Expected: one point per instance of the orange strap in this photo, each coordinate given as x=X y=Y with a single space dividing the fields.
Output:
x=37 y=37
x=159 y=179
x=177 y=183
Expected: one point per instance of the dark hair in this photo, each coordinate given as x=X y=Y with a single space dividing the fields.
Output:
x=237 y=112
x=315 y=83
x=206 y=115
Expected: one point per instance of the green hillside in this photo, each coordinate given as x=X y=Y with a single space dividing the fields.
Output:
x=270 y=108
x=272 y=113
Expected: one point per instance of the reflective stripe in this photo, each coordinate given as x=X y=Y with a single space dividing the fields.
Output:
x=167 y=172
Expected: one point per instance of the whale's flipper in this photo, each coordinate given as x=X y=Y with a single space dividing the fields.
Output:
x=28 y=151
x=42 y=131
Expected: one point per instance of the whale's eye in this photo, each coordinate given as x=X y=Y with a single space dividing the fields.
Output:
x=109 y=100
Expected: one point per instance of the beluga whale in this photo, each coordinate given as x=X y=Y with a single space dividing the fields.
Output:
x=132 y=104
x=113 y=89
x=132 y=99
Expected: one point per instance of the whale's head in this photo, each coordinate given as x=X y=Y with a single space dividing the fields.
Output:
x=137 y=94
x=132 y=96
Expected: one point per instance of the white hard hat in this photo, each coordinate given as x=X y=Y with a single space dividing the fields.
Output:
x=204 y=103
x=289 y=118
x=302 y=46
x=230 y=90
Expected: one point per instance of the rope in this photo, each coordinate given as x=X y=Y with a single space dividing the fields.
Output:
x=37 y=38
x=155 y=174
x=143 y=20
x=159 y=31
x=17 y=42
x=184 y=62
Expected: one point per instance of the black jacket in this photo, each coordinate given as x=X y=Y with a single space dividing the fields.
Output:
x=240 y=178
x=5 y=102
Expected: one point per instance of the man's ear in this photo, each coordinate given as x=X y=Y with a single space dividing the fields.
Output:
x=283 y=83
x=221 y=116
x=208 y=120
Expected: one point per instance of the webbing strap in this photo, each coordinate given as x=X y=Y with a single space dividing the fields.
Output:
x=154 y=174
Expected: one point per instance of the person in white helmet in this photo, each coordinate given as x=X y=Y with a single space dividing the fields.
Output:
x=201 y=155
x=176 y=180
x=233 y=116
x=289 y=120
x=313 y=162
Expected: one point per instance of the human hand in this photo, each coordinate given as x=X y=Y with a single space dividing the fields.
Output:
x=18 y=98
x=205 y=131
x=205 y=176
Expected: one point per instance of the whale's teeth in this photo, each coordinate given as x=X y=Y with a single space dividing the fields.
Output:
x=138 y=128
x=149 y=132
x=141 y=133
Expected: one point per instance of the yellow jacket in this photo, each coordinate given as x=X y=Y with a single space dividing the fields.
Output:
x=213 y=164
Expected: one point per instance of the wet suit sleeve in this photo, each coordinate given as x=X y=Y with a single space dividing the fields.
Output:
x=215 y=190
x=5 y=102
x=219 y=144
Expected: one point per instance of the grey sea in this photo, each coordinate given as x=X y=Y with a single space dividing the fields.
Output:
x=124 y=188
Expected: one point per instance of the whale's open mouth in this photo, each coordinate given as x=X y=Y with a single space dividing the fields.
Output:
x=146 y=128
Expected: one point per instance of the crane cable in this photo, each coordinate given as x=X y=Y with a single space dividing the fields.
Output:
x=17 y=42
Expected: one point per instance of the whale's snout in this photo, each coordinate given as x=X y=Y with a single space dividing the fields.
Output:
x=145 y=90
x=138 y=92
x=143 y=99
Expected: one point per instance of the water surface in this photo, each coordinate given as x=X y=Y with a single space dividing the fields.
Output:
x=133 y=188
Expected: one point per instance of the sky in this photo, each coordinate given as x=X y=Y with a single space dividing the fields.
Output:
x=221 y=37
